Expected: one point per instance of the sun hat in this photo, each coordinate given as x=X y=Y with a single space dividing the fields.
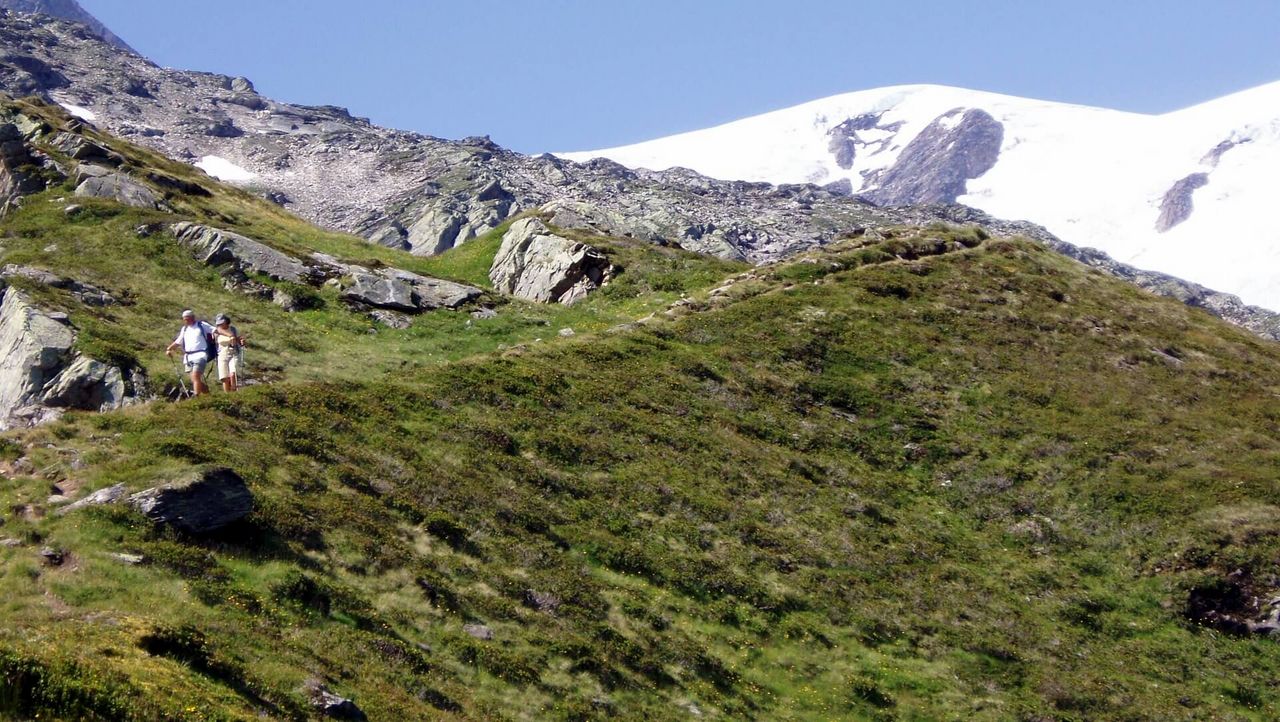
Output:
x=221 y=319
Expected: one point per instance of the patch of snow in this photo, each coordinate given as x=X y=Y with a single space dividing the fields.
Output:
x=951 y=120
x=225 y=170
x=80 y=112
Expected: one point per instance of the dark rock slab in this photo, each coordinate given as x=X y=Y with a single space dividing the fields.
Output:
x=206 y=500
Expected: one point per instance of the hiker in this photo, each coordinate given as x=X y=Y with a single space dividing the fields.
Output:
x=193 y=339
x=230 y=352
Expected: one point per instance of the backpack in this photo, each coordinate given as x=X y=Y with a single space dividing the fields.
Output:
x=211 y=347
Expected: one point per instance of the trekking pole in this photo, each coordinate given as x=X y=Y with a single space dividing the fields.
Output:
x=182 y=382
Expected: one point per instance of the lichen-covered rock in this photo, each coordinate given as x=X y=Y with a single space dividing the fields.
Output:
x=379 y=291
x=206 y=500
x=537 y=265
x=391 y=319
x=216 y=247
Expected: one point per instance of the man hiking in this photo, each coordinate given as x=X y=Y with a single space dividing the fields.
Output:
x=193 y=339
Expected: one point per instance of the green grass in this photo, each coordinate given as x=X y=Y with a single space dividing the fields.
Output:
x=469 y=262
x=811 y=502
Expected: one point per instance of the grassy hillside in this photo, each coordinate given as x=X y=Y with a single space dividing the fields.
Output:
x=928 y=476
x=100 y=244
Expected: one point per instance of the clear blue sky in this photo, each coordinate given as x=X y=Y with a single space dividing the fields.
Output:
x=543 y=75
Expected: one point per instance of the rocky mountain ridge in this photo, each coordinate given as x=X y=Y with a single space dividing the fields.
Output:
x=426 y=195
x=67 y=10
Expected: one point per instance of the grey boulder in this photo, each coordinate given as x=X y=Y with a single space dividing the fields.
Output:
x=391 y=319
x=216 y=247
x=33 y=349
x=206 y=500
x=379 y=291
x=537 y=265
x=120 y=188
x=394 y=289
x=88 y=385
x=397 y=290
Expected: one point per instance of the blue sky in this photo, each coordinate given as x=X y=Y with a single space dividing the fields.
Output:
x=543 y=75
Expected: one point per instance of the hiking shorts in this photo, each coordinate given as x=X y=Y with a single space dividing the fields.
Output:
x=229 y=365
x=195 y=361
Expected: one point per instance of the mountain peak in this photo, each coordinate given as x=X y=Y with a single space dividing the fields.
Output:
x=67 y=10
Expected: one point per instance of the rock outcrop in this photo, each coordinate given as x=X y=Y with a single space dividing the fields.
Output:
x=205 y=500
x=330 y=705
x=120 y=188
x=1177 y=205
x=33 y=350
x=846 y=140
x=40 y=373
x=85 y=293
x=936 y=165
x=397 y=290
x=16 y=163
x=537 y=265
x=450 y=222
x=101 y=497
x=217 y=247
x=86 y=384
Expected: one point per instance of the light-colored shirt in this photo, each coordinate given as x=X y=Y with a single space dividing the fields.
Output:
x=229 y=342
x=192 y=338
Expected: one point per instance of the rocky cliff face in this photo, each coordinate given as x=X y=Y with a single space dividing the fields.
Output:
x=426 y=195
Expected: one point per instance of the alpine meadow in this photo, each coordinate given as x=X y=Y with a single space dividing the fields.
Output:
x=527 y=438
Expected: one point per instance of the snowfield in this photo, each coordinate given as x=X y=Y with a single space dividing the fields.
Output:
x=80 y=112
x=1092 y=176
x=225 y=170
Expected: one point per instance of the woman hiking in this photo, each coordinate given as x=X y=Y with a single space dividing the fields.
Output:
x=193 y=339
x=230 y=352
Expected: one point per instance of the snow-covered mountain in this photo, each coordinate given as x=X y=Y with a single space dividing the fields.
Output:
x=1191 y=193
